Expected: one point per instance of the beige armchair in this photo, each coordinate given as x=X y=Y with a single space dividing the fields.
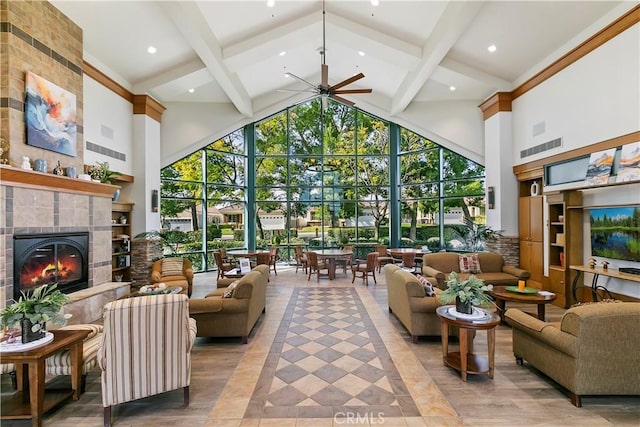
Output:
x=593 y=351
x=145 y=349
x=174 y=271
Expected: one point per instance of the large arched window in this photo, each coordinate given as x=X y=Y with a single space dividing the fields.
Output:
x=323 y=178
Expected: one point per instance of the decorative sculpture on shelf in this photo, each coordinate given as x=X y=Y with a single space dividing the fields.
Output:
x=605 y=265
x=592 y=263
x=58 y=169
x=26 y=164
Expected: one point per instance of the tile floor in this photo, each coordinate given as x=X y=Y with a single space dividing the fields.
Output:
x=330 y=354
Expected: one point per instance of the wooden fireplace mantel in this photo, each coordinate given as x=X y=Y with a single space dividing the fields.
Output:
x=16 y=177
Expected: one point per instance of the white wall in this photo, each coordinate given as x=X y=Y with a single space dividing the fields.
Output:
x=594 y=99
x=102 y=107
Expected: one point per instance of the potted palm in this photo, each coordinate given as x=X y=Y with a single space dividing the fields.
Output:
x=33 y=310
x=466 y=293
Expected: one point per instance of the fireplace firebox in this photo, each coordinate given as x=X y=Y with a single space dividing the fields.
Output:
x=44 y=259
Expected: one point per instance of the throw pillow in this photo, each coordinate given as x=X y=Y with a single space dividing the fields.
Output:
x=469 y=264
x=172 y=266
x=228 y=293
x=428 y=287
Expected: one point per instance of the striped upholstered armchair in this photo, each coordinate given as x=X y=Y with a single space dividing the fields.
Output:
x=146 y=349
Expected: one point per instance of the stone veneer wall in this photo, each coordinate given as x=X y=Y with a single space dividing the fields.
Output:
x=30 y=210
x=143 y=254
x=37 y=37
x=508 y=246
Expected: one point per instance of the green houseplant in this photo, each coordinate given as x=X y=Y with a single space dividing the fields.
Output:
x=34 y=309
x=102 y=173
x=466 y=293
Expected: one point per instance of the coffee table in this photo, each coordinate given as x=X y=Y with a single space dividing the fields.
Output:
x=463 y=361
x=31 y=401
x=502 y=295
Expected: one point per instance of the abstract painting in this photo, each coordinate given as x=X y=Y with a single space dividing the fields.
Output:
x=50 y=114
x=599 y=168
x=629 y=167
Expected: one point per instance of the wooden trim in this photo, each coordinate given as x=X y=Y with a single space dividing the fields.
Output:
x=621 y=24
x=106 y=81
x=499 y=101
x=144 y=104
x=578 y=152
x=530 y=174
x=16 y=177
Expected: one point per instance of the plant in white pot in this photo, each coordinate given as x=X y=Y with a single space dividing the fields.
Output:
x=466 y=293
x=34 y=309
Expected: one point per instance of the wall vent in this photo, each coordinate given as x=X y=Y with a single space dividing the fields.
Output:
x=106 y=151
x=554 y=143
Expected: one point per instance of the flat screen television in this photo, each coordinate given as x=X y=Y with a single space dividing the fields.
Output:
x=615 y=232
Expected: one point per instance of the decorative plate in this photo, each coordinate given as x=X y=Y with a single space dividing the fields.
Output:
x=478 y=314
x=18 y=346
x=518 y=291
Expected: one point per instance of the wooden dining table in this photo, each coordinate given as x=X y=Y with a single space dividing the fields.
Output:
x=331 y=255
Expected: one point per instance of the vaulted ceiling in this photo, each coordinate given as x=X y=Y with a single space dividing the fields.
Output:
x=409 y=51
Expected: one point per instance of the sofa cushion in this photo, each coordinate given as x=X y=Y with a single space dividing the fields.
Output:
x=469 y=264
x=172 y=267
x=428 y=287
x=230 y=290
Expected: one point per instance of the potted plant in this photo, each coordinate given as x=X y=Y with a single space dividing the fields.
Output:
x=34 y=309
x=466 y=293
x=101 y=172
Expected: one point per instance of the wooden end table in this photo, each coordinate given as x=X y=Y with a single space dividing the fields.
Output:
x=31 y=401
x=463 y=361
x=502 y=295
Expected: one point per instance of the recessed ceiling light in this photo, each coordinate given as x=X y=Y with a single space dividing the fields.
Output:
x=283 y=53
x=361 y=53
x=152 y=50
x=452 y=88
x=271 y=3
x=492 y=48
x=375 y=2
x=192 y=90
x=286 y=74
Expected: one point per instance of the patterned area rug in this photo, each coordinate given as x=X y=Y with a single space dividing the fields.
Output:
x=328 y=360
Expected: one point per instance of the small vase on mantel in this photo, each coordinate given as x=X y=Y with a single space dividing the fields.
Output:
x=464 y=307
x=27 y=334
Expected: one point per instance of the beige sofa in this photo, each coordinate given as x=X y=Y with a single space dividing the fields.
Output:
x=217 y=316
x=407 y=300
x=438 y=265
x=592 y=351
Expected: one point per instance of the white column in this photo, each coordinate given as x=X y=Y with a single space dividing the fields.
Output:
x=498 y=143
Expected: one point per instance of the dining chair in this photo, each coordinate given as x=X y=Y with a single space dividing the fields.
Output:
x=409 y=259
x=316 y=266
x=346 y=260
x=273 y=257
x=366 y=267
x=383 y=256
x=301 y=259
x=223 y=267
x=264 y=258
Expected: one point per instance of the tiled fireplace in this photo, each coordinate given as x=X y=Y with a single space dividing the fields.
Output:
x=37 y=204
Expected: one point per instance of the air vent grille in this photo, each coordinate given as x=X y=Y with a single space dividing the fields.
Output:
x=554 y=143
x=106 y=151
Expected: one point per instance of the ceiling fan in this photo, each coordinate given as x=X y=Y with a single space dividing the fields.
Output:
x=324 y=89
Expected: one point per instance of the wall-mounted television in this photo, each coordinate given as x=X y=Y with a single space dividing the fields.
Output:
x=615 y=232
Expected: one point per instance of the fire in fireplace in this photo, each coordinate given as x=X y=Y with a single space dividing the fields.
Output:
x=42 y=259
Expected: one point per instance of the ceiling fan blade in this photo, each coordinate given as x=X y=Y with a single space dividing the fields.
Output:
x=325 y=75
x=352 y=91
x=346 y=82
x=342 y=100
x=297 y=90
x=302 y=80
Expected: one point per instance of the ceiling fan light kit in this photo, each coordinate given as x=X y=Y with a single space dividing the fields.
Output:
x=324 y=89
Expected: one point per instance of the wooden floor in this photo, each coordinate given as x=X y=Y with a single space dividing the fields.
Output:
x=225 y=374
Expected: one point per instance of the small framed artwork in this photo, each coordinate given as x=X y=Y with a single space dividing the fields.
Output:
x=245 y=265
